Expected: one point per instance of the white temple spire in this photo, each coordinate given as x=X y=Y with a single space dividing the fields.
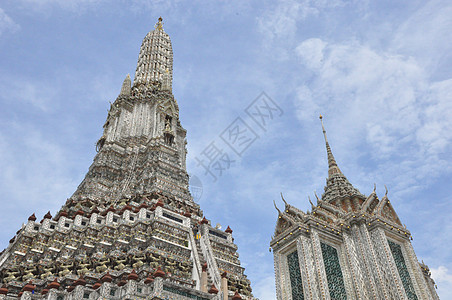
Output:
x=155 y=59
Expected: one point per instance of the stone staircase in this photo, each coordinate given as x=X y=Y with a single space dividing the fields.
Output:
x=203 y=261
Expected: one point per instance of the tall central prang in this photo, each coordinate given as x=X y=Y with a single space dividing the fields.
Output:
x=131 y=230
x=142 y=149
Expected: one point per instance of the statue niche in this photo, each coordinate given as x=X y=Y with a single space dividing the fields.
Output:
x=168 y=132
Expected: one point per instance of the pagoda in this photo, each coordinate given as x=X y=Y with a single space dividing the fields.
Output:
x=348 y=246
x=131 y=230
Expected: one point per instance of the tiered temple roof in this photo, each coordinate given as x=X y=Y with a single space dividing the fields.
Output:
x=341 y=204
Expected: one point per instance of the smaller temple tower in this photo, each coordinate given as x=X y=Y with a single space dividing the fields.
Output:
x=348 y=247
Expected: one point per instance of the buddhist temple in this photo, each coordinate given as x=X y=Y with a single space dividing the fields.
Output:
x=349 y=246
x=131 y=230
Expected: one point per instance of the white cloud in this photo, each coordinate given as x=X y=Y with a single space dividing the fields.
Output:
x=163 y=6
x=264 y=289
x=279 y=25
x=46 y=7
x=26 y=175
x=307 y=105
x=63 y=3
x=311 y=52
x=37 y=94
x=282 y=20
x=443 y=279
x=35 y=175
x=426 y=35
x=383 y=97
x=436 y=134
x=6 y=23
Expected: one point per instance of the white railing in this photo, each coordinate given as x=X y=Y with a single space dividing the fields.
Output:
x=211 y=263
x=195 y=254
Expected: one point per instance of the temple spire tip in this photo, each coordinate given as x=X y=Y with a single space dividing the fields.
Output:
x=159 y=24
x=323 y=128
x=332 y=165
x=155 y=60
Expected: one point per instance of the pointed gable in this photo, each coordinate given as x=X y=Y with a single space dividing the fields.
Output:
x=385 y=210
x=371 y=203
x=282 y=225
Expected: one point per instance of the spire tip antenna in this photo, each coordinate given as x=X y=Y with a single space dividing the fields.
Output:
x=323 y=128
x=332 y=165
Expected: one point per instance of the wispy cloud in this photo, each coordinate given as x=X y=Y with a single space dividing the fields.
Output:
x=33 y=174
x=443 y=279
x=264 y=289
x=6 y=23
x=426 y=36
x=65 y=4
x=282 y=20
x=35 y=93
x=402 y=110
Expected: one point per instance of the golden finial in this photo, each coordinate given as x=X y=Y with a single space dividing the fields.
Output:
x=159 y=24
x=320 y=117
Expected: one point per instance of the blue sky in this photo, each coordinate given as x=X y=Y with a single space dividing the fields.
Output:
x=379 y=71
